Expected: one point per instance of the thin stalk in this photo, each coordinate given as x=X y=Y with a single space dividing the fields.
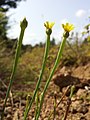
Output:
x=59 y=101
x=54 y=111
x=37 y=104
x=14 y=65
x=52 y=72
x=40 y=77
x=69 y=102
x=67 y=109
x=72 y=91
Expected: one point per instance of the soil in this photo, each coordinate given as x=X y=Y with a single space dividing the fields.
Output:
x=75 y=108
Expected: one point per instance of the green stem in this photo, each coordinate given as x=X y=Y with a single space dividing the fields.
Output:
x=72 y=91
x=50 y=77
x=40 y=77
x=14 y=68
x=37 y=104
x=69 y=102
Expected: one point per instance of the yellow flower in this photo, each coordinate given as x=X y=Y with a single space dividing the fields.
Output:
x=68 y=27
x=49 y=25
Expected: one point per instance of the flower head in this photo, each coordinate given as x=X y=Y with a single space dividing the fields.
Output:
x=49 y=25
x=68 y=27
x=24 y=23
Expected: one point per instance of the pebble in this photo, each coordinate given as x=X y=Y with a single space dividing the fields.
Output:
x=82 y=109
x=83 y=118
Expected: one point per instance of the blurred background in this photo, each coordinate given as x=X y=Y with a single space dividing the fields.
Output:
x=37 y=12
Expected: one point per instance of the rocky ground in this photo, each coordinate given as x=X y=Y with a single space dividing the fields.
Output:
x=79 y=106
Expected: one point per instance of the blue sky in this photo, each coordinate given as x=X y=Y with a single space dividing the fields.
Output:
x=39 y=11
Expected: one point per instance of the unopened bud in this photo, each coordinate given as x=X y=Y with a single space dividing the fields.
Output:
x=48 y=31
x=66 y=34
x=23 y=24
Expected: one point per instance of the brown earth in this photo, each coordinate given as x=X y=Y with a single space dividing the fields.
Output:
x=79 y=108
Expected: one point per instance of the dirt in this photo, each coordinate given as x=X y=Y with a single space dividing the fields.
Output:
x=79 y=104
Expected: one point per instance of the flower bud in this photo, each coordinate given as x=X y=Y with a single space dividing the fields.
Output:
x=66 y=34
x=23 y=24
x=48 y=31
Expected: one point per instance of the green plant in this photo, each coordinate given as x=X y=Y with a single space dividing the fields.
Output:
x=23 y=26
x=67 y=28
x=48 y=32
x=72 y=89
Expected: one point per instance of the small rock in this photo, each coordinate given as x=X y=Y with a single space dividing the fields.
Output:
x=81 y=92
x=75 y=104
x=16 y=100
x=23 y=103
x=82 y=109
x=87 y=115
x=83 y=118
x=9 y=117
x=73 y=111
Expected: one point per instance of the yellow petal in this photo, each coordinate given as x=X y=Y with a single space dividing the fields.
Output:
x=49 y=25
x=68 y=27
